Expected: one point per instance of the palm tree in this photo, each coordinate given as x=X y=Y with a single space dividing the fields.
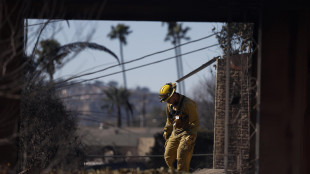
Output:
x=48 y=47
x=175 y=34
x=116 y=99
x=120 y=32
x=52 y=53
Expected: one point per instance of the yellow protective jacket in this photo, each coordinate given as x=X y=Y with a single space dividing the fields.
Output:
x=189 y=119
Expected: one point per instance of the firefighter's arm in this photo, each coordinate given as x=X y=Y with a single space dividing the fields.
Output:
x=168 y=127
x=193 y=118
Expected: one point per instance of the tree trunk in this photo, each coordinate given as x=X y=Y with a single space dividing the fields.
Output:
x=123 y=66
x=119 y=117
x=124 y=78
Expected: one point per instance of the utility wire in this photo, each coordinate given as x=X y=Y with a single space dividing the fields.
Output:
x=155 y=62
x=134 y=60
x=85 y=71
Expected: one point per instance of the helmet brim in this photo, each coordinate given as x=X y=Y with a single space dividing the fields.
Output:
x=167 y=98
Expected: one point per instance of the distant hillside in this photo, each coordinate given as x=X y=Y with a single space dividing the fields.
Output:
x=86 y=101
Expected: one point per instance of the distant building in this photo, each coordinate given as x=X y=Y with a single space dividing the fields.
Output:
x=106 y=145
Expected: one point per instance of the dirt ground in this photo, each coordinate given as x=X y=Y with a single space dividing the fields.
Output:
x=209 y=171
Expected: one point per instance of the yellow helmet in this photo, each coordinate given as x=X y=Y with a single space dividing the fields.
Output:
x=167 y=91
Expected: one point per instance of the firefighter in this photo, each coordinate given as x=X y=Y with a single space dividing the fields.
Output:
x=181 y=127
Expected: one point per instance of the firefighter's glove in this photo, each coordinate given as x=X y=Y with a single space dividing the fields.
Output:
x=177 y=121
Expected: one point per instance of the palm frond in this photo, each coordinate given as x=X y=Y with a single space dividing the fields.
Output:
x=120 y=31
x=68 y=23
x=79 y=46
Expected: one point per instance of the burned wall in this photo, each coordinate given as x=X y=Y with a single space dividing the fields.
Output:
x=239 y=116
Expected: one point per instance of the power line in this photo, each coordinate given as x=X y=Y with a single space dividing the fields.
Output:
x=137 y=59
x=155 y=62
x=95 y=67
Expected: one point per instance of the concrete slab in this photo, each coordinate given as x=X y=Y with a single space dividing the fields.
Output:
x=209 y=171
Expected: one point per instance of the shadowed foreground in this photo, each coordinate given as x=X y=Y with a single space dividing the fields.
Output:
x=122 y=171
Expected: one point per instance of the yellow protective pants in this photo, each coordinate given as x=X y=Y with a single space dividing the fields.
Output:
x=180 y=147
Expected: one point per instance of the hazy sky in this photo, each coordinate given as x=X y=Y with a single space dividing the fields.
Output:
x=146 y=38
